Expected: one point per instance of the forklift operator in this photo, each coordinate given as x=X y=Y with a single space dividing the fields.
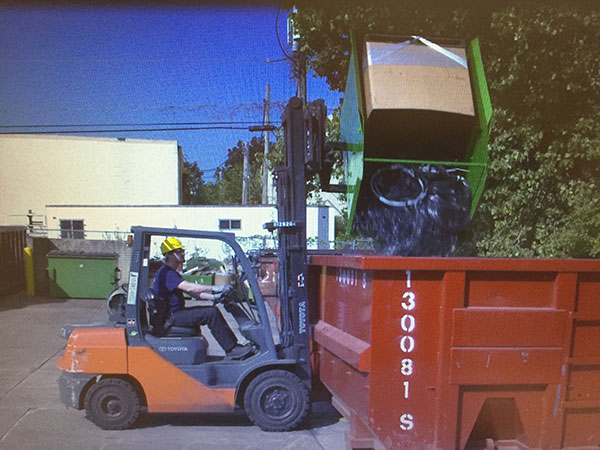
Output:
x=170 y=286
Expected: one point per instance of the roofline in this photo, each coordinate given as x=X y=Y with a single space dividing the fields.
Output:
x=86 y=138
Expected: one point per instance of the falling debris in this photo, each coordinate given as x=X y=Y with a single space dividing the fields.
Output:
x=415 y=210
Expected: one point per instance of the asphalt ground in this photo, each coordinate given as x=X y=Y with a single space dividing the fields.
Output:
x=33 y=417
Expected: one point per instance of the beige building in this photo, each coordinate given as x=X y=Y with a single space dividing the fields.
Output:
x=97 y=188
x=115 y=222
x=38 y=170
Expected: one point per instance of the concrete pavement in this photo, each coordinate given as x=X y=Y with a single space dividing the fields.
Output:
x=32 y=416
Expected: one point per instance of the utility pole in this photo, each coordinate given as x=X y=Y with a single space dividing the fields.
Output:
x=267 y=122
x=246 y=173
x=299 y=60
x=300 y=73
x=265 y=129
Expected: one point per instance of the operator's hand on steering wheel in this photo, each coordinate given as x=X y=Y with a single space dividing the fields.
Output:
x=221 y=292
x=218 y=288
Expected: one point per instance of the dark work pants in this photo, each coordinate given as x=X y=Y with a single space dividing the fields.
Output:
x=206 y=315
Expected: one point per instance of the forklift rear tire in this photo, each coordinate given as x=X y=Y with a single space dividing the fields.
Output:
x=112 y=404
x=276 y=400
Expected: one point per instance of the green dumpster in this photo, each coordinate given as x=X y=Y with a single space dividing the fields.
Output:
x=82 y=275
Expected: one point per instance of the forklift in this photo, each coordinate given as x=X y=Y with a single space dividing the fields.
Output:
x=129 y=365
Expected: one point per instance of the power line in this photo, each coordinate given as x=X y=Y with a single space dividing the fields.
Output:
x=269 y=61
x=214 y=169
x=277 y=33
x=137 y=130
x=131 y=124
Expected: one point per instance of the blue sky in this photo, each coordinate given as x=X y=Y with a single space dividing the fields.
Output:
x=134 y=64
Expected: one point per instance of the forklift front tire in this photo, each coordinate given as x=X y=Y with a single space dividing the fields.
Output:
x=112 y=404
x=277 y=400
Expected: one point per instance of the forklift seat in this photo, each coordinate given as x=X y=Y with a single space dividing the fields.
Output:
x=179 y=345
x=157 y=315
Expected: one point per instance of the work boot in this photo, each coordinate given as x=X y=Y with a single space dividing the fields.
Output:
x=239 y=351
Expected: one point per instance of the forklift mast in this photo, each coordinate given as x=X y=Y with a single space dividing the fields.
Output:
x=304 y=136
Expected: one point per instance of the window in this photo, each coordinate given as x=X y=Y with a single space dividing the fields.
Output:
x=230 y=224
x=71 y=229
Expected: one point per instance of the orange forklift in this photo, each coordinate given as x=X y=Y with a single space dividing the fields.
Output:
x=118 y=369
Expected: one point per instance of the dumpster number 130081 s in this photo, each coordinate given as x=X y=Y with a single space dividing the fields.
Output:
x=407 y=345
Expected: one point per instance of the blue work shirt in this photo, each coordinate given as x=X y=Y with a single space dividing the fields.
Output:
x=165 y=286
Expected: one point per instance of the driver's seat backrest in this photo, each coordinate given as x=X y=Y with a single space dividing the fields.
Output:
x=158 y=310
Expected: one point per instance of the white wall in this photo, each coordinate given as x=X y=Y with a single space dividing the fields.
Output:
x=102 y=221
x=40 y=170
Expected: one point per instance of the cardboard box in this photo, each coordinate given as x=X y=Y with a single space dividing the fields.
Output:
x=413 y=76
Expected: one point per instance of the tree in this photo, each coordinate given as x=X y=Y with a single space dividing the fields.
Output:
x=229 y=177
x=227 y=187
x=194 y=188
x=542 y=196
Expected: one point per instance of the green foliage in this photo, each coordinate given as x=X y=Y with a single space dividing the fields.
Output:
x=313 y=185
x=276 y=150
x=227 y=189
x=543 y=70
x=194 y=188
x=542 y=193
x=325 y=30
x=230 y=175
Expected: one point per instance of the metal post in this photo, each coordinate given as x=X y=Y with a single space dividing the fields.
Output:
x=300 y=74
x=267 y=120
x=246 y=173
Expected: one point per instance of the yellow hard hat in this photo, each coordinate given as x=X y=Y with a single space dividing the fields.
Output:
x=170 y=244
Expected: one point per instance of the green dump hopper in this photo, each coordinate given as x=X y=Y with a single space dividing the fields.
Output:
x=415 y=121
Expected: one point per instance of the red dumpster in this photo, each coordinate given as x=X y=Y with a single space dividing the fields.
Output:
x=449 y=353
